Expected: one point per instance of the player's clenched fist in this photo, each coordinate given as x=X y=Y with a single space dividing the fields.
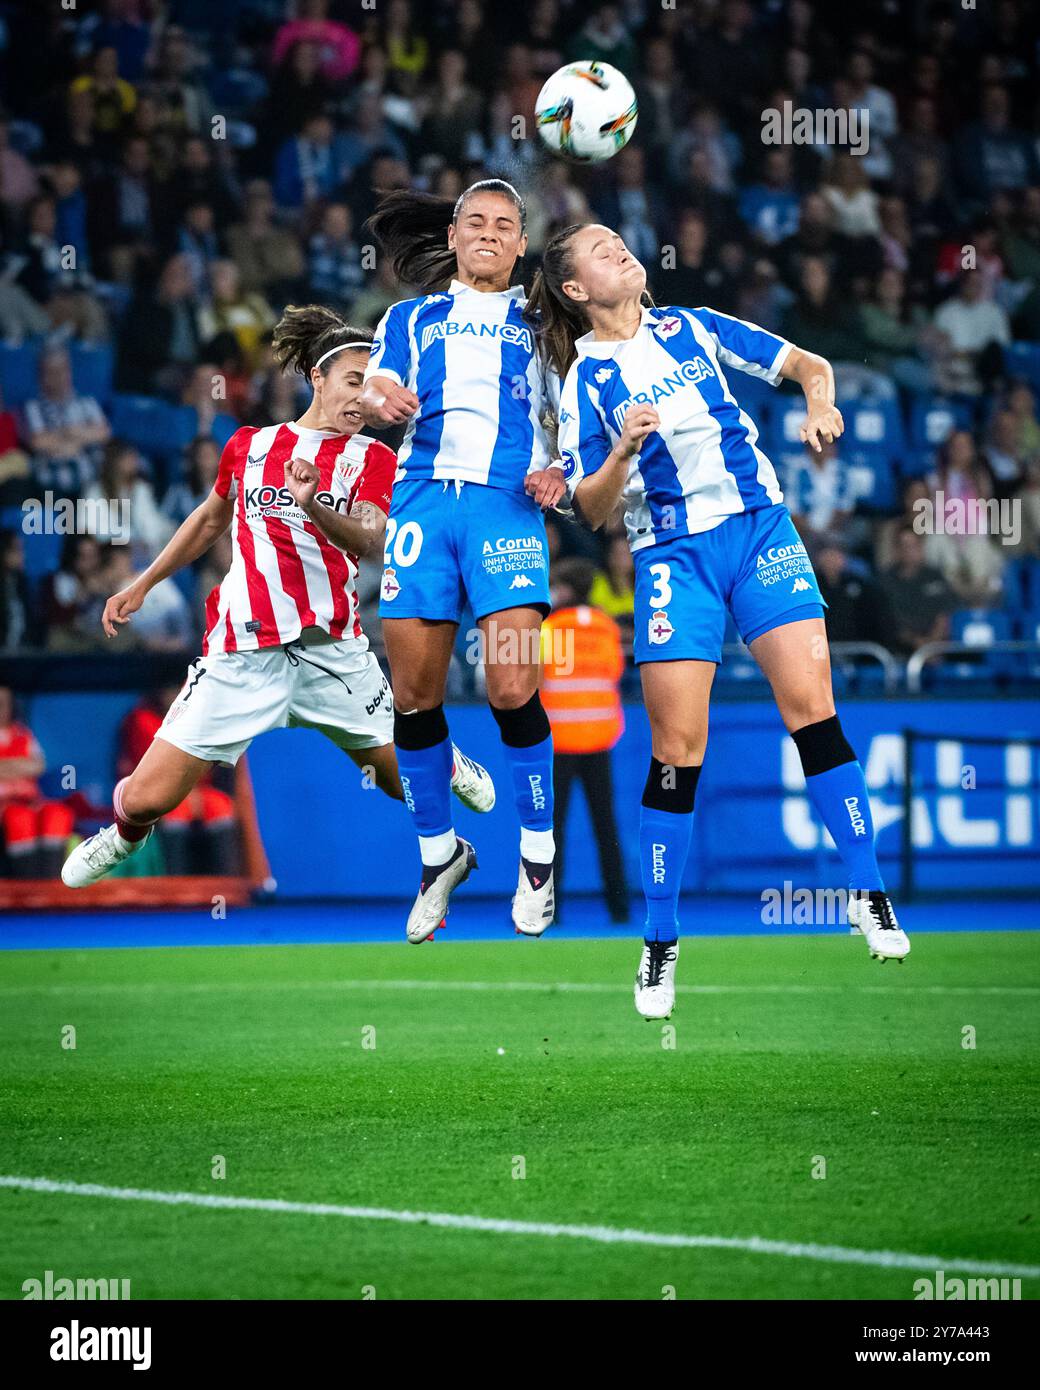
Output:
x=546 y=486
x=386 y=402
x=301 y=478
x=640 y=420
x=119 y=608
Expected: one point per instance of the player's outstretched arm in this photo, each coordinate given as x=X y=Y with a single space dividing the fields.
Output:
x=814 y=375
x=598 y=493
x=193 y=538
x=386 y=402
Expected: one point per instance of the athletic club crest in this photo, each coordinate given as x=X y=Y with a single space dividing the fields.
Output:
x=389 y=588
x=659 y=629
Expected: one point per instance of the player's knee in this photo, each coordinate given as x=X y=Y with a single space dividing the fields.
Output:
x=510 y=687
x=678 y=749
x=812 y=707
x=140 y=802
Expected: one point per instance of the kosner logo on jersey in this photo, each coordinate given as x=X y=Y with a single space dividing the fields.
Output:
x=694 y=369
x=452 y=328
x=264 y=495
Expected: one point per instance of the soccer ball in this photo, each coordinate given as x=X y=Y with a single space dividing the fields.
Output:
x=586 y=111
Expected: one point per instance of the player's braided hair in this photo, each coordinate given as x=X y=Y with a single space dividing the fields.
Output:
x=557 y=319
x=411 y=229
x=307 y=332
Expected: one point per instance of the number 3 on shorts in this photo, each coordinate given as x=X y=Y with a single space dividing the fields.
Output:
x=662 y=595
x=402 y=544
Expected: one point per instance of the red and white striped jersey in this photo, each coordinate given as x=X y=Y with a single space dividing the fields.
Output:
x=285 y=574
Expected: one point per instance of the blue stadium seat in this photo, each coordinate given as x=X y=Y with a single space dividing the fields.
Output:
x=1022 y=360
x=979 y=628
x=932 y=420
x=18 y=372
x=42 y=555
x=224 y=426
x=152 y=425
x=92 y=370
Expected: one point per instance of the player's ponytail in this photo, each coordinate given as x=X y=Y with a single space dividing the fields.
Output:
x=558 y=320
x=412 y=231
x=305 y=333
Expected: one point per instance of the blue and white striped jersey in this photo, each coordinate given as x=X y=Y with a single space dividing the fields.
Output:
x=703 y=464
x=470 y=358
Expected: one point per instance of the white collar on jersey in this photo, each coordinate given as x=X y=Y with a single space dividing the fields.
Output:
x=588 y=346
x=514 y=291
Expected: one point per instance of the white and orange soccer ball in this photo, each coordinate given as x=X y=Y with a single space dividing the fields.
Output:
x=586 y=111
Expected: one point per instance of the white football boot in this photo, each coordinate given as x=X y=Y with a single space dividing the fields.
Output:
x=472 y=783
x=655 y=979
x=94 y=858
x=534 y=902
x=431 y=905
x=871 y=915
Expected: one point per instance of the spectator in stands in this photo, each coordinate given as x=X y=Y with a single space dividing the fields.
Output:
x=1022 y=404
x=454 y=112
x=821 y=318
x=19 y=182
x=114 y=99
x=894 y=332
x=197 y=239
x=159 y=339
x=14 y=462
x=961 y=542
x=73 y=597
x=613 y=588
x=853 y=201
x=819 y=491
x=855 y=603
x=17 y=626
x=974 y=330
x=308 y=166
x=164 y=621
x=198 y=474
x=124 y=214
x=1027 y=496
x=991 y=154
x=51 y=272
x=183 y=104
x=299 y=91
x=125 y=511
x=34 y=829
x=64 y=431
x=632 y=205
x=202 y=175
x=1003 y=455
x=878 y=105
x=1021 y=245
x=334 y=270
x=663 y=104
x=337 y=45
x=696 y=278
x=230 y=309
x=770 y=208
x=269 y=257
x=582 y=666
x=919 y=599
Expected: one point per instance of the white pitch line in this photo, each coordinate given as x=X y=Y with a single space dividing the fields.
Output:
x=492 y=986
x=603 y=1235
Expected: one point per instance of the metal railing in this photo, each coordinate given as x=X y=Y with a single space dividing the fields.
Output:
x=933 y=650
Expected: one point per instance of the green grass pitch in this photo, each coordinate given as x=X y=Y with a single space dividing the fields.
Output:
x=808 y=1050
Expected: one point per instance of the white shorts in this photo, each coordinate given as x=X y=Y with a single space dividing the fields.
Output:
x=231 y=697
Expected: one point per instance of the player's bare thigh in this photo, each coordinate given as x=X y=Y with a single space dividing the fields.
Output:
x=512 y=655
x=419 y=652
x=161 y=781
x=677 y=695
x=796 y=661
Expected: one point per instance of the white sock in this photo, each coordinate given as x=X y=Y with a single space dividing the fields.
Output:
x=537 y=846
x=437 y=849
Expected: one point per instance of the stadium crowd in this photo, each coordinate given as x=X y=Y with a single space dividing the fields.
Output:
x=173 y=172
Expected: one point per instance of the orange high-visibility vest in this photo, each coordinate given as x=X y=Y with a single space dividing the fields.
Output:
x=582 y=662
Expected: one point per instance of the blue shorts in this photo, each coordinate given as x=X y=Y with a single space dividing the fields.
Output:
x=754 y=563
x=447 y=544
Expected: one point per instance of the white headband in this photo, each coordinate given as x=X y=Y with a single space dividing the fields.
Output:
x=341 y=348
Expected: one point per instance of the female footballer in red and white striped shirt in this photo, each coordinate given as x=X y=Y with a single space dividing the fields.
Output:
x=283 y=644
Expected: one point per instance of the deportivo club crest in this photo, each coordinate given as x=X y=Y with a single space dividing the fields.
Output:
x=389 y=588
x=667 y=327
x=659 y=629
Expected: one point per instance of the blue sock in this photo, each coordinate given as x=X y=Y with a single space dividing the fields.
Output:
x=664 y=845
x=527 y=741
x=843 y=804
x=532 y=770
x=424 y=760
